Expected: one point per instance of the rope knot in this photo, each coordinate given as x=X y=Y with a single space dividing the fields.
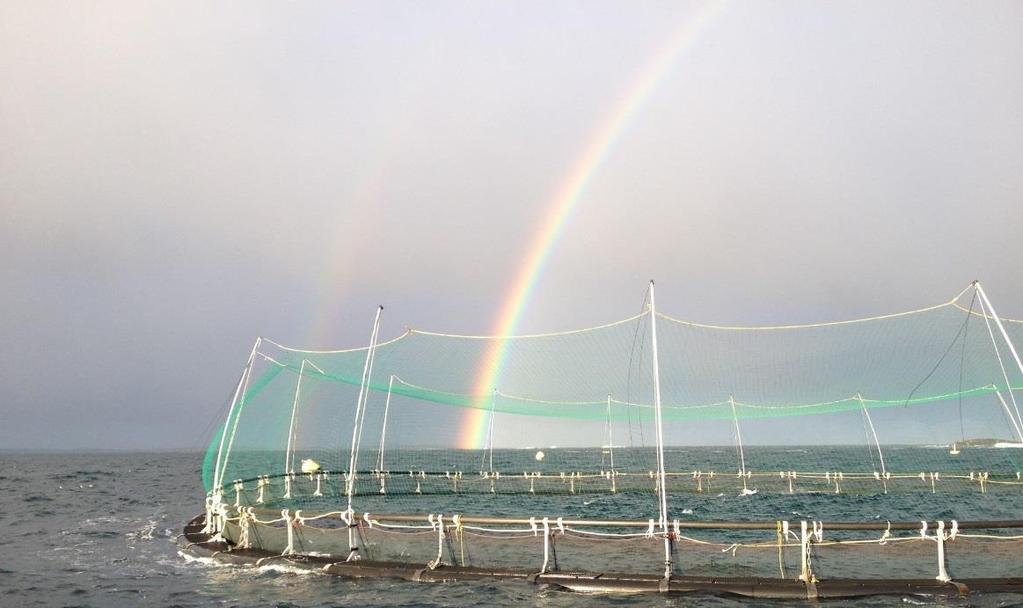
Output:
x=886 y=534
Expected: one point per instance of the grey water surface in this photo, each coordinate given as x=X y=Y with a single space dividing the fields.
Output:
x=99 y=530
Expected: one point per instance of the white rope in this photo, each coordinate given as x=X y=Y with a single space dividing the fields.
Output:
x=990 y=536
x=814 y=325
x=484 y=530
x=380 y=524
x=244 y=528
x=542 y=335
x=334 y=352
x=622 y=535
x=440 y=543
x=979 y=314
x=261 y=486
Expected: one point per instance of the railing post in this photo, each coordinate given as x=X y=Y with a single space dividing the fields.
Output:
x=806 y=571
x=940 y=537
x=360 y=407
x=661 y=466
x=546 y=544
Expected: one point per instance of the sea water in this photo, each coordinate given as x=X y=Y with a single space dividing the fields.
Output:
x=99 y=530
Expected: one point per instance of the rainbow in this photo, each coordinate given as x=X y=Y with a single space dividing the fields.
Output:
x=473 y=431
x=341 y=261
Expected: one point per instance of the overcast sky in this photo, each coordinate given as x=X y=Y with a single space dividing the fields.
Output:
x=177 y=178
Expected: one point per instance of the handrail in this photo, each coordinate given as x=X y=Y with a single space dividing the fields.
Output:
x=682 y=524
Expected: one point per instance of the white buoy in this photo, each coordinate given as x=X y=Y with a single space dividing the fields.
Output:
x=539 y=455
x=310 y=466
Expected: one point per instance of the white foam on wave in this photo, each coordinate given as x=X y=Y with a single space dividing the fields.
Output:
x=286 y=569
x=204 y=561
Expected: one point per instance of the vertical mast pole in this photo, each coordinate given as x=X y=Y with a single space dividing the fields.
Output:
x=660 y=436
x=230 y=411
x=738 y=439
x=1012 y=349
x=289 y=460
x=610 y=439
x=363 y=389
x=383 y=432
x=239 y=398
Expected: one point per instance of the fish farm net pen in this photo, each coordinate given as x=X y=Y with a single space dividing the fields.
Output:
x=830 y=459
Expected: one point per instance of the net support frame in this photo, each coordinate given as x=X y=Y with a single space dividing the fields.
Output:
x=367 y=370
x=239 y=394
x=663 y=494
x=241 y=397
x=986 y=304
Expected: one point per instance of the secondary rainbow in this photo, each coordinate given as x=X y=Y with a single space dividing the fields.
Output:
x=473 y=431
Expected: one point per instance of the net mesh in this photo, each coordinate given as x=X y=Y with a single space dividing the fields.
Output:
x=848 y=421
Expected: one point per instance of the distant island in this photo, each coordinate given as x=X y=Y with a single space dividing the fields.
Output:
x=987 y=443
